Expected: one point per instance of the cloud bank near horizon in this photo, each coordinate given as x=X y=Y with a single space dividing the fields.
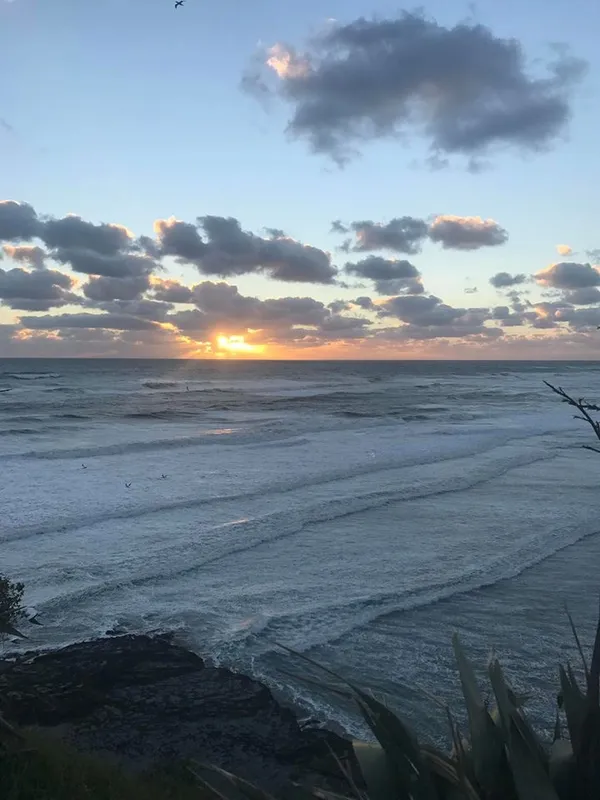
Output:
x=69 y=286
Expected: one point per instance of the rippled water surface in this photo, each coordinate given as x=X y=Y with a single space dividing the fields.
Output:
x=359 y=512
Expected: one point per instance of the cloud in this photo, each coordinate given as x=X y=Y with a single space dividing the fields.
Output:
x=119 y=265
x=129 y=288
x=180 y=239
x=580 y=318
x=389 y=275
x=72 y=232
x=429 y=317
x=35 y=291
x=465 y=90
x=118 y=322
x=502 y=280
x=407 y=234
x=583 y=297
x=569 y=275
x=30 y=255
x=564 y=249
x=594 y=256
x=18 y=221
x=105 y=249
x=364 y=302
x=229 y=251
x=224 y=304
x=126 y=309
x=138 y=307
x=508 y=318
x=471 y=290
x=401 y=235
x=466 y=233
x=171 y=291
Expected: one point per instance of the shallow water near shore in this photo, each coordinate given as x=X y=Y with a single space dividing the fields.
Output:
x=357 y=512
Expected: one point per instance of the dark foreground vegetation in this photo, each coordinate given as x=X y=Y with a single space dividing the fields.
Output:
x=149 y=730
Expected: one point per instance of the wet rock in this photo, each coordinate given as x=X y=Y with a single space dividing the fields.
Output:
x=146 y=700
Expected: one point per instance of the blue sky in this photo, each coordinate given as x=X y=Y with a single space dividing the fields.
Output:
x=127 y=112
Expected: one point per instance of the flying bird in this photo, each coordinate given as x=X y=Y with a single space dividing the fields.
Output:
x=179 y=3
x=163 y=477
x=83 y=466
x=127 y=485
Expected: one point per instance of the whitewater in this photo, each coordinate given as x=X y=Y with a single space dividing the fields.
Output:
x=356 y=512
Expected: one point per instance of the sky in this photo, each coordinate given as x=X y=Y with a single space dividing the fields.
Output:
x=331 y=179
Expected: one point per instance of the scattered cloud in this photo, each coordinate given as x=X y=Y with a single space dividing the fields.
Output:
x=129 y=288
x=401 y=235
x=407 y=234
x=583 y=297
x=30 y=255
x=117 y=322
x=125 y=304
x=171 y=291
x=569 y=275
x=389 y=276
x=564 y=250
x=18 y=221
x=119 y=265
x=502 y=280
x=466 y=233
x=39 y=290
x=72 y=232
x=228 y=251
x=594 y=256
x=464 y=89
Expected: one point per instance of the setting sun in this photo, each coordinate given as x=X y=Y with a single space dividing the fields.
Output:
x=236 y=344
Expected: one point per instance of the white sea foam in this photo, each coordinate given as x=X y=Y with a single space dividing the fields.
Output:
x=291 y=522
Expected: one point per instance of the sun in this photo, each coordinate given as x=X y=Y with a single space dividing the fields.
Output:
x=236 y=344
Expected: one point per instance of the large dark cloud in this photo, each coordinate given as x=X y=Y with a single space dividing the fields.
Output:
x=223 y=303
x=119 y=322
x=503 y=280
x=73 y=232
x=580 y=318
x=105 y=249
x=119 y=265
x=227 y=250
x=401 y=235
x=139 y=307
x=172 y=291
x=389 y=275
x=508 y=318
x=429 y=317
x=466 y=233
x=39 y=290
x=18 y=221
x=462 y=88
x=583 y=297
x=116 y=288
x=180 y=239
x=569 y=275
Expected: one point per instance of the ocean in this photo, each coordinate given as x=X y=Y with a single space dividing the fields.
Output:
x=357 y=512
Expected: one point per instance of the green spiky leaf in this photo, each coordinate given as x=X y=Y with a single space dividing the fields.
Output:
x=375 y=770
x=486 y=740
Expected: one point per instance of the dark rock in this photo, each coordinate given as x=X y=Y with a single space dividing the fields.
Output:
x=146 y=700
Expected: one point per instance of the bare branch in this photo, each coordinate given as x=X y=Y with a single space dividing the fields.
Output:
x=583 y=407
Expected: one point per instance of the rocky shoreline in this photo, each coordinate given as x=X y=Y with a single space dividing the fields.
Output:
x=146 y=701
